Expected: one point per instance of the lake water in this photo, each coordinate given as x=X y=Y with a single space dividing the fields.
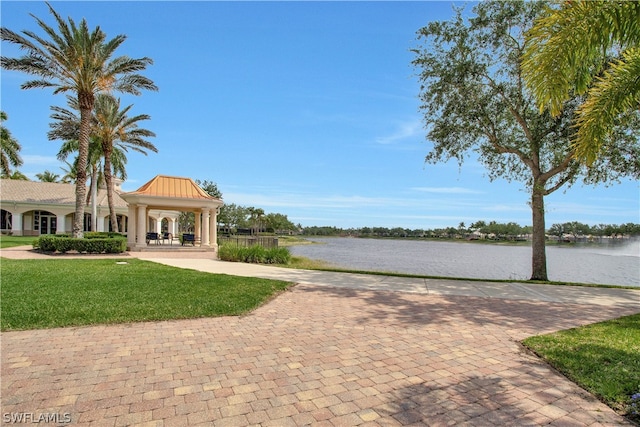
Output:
x=619 y=265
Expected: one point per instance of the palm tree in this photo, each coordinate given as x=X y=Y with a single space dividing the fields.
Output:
x=114 y=129
x=94 y=168
x=73 y=59
x=255 y=217
x=70 y=173
x=18 y=175
x=66 y=127
x=48 y=176
x=568 y=52
x=9 y=148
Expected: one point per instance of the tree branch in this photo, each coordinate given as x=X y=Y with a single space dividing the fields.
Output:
x=559 y=168
x=559 y=183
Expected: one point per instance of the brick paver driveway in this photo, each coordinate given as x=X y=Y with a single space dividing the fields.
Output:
x=315 y=355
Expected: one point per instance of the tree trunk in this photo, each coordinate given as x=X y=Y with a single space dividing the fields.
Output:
x=109 y=181
x=83 y=154
x=94 y=199
x=538 y=250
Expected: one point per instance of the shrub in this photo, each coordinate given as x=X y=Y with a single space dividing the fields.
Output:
x=93 y=245
x=102 y=235
x=255 y=254
x=278 y=256
x=229 y=252
x=45 y=243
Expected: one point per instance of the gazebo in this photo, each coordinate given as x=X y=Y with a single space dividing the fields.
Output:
x=171 y=194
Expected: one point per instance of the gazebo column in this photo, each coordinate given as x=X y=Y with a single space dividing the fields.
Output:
x=173 y=228
x=141 y=226
x=131 y=221
x=213 y=228
x=205 y=227
x=198 y=225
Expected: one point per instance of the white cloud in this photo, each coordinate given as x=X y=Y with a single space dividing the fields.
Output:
x=589 y=210
x=447 y=190
x=518 y=207
x=306 y=200
x=37 y=160
x=404 y=131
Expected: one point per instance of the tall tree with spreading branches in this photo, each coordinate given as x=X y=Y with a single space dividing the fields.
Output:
x=77 y=60
x=474 y=101
x=589 y=48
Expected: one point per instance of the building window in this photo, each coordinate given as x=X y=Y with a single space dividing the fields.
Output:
x=45 y=222
x=87 y=222
x=6 y=220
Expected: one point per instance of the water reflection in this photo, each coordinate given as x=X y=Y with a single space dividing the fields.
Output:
x=614 y=265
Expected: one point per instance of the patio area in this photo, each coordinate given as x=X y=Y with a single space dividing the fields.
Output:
x=317 y=355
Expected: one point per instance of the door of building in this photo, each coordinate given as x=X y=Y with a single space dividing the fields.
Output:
x=48 y=224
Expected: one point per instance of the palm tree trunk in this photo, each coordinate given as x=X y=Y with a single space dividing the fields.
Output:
x=538 y=246
x=86 y=105
x=109 y=181
x=94 y=201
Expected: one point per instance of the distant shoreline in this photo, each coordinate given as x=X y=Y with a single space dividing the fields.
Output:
x=300 y=240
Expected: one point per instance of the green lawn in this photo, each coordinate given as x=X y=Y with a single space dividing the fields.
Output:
x=11 y=241
x=38 y=294
x=603 y=358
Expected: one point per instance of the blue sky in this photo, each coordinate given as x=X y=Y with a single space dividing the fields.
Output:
x=309 y=109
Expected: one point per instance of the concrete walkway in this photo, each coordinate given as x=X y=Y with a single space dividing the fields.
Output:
x=335 y=350
x=502 y=290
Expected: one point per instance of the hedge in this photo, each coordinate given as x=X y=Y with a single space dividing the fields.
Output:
x=255 y=254
x=93 y=244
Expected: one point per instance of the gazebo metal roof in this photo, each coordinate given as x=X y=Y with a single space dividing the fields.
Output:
x=171 y=192
x=172 y=186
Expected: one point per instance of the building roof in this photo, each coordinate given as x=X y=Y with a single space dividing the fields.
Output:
x=174 y=187
x=50 y=193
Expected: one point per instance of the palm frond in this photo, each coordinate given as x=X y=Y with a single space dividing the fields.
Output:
x=617 y=91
